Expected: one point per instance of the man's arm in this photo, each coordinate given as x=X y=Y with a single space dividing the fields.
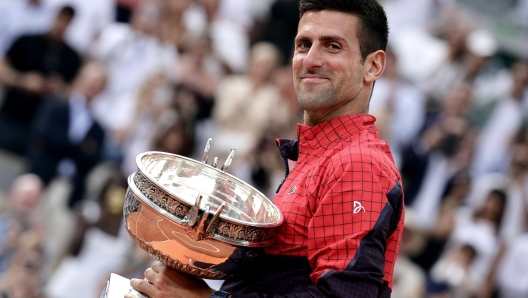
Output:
x=8 y=76
x=31 y=82
x=358 y=207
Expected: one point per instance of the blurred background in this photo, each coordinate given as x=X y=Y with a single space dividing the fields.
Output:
x=86 y=85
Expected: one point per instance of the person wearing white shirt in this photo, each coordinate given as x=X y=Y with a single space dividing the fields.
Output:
x=131 y=54
x=398 y=106
x=492 y=149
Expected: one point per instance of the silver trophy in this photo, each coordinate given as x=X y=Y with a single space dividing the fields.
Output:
x=196 y=218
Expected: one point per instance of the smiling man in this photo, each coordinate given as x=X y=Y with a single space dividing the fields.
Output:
x=342 y=198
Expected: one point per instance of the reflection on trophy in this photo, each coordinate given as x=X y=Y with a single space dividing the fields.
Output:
x=194 y=217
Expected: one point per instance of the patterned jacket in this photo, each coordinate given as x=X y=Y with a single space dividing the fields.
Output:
x=342 y=203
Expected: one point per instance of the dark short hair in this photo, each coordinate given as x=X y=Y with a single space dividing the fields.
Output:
x=373 y=29
x=67 y=11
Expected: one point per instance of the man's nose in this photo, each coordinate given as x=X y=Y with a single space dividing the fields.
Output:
x=313 y=58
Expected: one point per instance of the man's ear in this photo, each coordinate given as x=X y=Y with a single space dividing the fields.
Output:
x=374 y=66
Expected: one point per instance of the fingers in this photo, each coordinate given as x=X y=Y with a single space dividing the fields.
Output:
x=143 y=286
x=157 y=266
x=151 y=275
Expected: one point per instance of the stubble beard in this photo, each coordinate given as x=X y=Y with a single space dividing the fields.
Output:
x=316 y=100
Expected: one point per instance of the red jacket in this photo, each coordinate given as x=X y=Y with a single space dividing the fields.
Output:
x=343 y=208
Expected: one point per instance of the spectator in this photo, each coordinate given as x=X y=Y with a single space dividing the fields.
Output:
x=288 y=110
x=226 y=24
x=474 y=66
x=515 y=185
x=172 y=30
x=399 y=107
x=426 y=161
x=66 y=138
x=19 y=217
x=452 y=275
x=152 y=112
x=35 y=65
x=478 y=230
x=426 y=12
x=99 y=246
x=435 y=240
x=267 y=169
x=131 y=53
x=281 y=27
x=174 y=139
x=246 y=104
x=481 y=228
x=23 y=279
x=491 y=152
x=91 y=17
x=201 y=72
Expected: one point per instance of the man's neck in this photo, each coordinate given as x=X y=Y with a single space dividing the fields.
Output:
x=312 y=118
x=55 y=38
x=359 y=104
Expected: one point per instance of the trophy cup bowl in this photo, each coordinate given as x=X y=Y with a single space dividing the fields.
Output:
x=194 y=217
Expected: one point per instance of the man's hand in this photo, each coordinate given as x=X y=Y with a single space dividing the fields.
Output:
x=33 y=82
x=164 y=282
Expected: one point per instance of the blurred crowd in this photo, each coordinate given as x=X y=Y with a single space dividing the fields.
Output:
x=85 y=86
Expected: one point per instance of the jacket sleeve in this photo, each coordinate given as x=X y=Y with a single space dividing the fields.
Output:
x=355 y=210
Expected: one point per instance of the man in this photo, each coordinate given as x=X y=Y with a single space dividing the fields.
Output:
x=19 y=218
x=66 y=139
x=342 y=201
x=90 y=19
x=34 y=66
x=131 y=53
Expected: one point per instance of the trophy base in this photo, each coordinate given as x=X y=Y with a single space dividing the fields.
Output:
x=118 y=286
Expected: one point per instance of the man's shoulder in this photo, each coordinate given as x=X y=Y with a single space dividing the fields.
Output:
x=365 y=147
x=34 y=37
x=372 y=155
x=28 y=40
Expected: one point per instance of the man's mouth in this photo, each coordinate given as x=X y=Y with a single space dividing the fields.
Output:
x=313 y=79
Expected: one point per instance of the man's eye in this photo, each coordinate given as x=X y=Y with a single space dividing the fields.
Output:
x=334 y=46
x=303 y=45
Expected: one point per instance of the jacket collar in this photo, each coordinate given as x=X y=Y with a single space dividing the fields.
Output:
x=340 y=128
x=323 y=134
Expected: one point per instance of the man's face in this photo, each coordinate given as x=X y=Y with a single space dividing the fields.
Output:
x=91 y=81
x=61 y=24
x=327 y=66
